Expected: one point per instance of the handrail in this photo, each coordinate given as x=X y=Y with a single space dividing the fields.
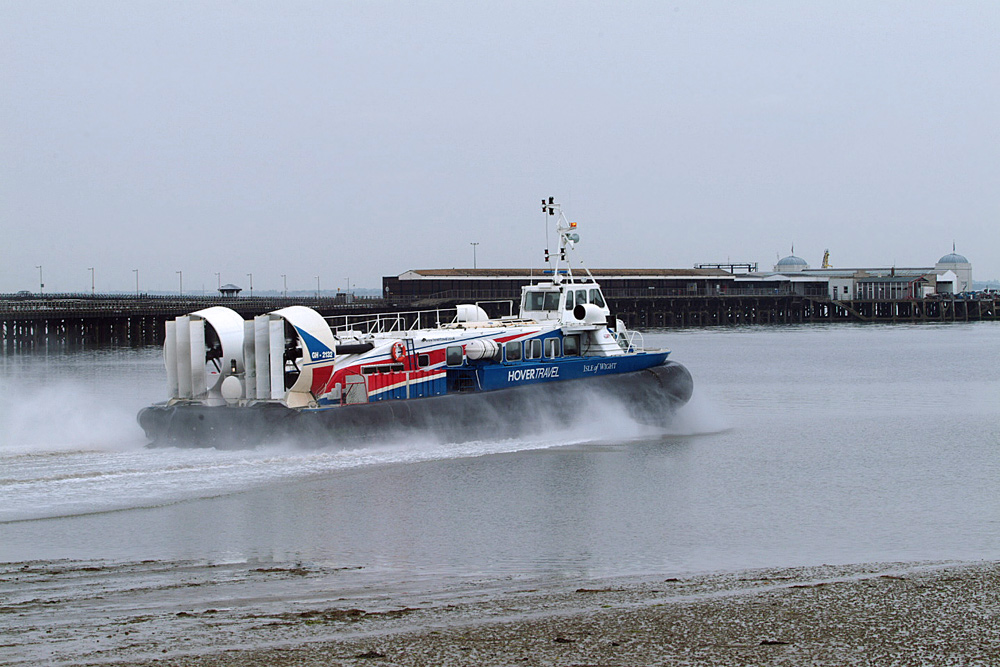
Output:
x=381 y=323
x=627 y=340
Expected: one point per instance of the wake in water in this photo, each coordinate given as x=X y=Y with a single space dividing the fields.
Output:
x=85 y=475
x=65 y=416
x=73 y=447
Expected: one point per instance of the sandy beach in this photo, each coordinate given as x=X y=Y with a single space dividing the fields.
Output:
x=175 y=613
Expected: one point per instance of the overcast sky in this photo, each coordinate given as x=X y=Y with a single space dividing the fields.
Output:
x=352 y=140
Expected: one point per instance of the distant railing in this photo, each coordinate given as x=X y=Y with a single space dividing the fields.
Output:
x=111 y=303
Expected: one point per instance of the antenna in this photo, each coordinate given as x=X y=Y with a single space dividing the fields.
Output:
x=568 y=238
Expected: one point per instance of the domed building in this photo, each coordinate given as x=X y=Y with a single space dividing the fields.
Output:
x=791 y=263
x=960 y=266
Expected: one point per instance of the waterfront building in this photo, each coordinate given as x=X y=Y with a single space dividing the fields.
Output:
x=430 y=285
x=961 y=267
x=791 y=275
x=951 y=275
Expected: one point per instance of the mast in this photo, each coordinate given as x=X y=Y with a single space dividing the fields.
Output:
x=567 y=239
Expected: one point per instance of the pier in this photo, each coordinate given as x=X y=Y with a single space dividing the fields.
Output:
x=74 y=321
x=85 y=321
x=734 y=310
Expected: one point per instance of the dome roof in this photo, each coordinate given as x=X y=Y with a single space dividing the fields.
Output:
x=953 y=258
x=791 y=263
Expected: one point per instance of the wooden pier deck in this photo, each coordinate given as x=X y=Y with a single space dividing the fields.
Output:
x=74 y=321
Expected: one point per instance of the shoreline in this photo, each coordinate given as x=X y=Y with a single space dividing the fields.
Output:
x=215 y=615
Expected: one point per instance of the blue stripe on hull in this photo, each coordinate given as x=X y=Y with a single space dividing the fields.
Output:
x=503 y=376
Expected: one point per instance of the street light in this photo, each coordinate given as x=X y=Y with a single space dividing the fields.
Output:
x=317 y=287
x=91 y=269
x=284 y=280
x=218 y=277
x=136 y=272
x=180 y=277
x=41 y=283
x=250 y=275
x=474 y=244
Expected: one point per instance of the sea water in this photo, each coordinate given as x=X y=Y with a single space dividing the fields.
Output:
x=802 y=445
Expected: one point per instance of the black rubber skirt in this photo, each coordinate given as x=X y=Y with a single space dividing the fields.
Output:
x=649 y=396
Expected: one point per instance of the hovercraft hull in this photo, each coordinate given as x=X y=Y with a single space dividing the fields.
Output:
x=649 y=396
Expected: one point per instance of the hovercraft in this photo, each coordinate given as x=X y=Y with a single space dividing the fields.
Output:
x=458 y=373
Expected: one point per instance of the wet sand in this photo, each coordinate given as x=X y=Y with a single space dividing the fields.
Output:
x=177 y=613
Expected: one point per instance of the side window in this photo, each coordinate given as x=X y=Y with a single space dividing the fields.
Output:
x=570 y=300
x=571 y=345
x=423 y=360
x=534 y=349
x=454 y=355
x=513 y=350
x=596 y=298
x=581 y=297
x=551 y=348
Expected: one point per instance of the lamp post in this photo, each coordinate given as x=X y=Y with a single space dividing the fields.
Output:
x=317 y=287
x=180 y=278
x=41 y=283
x=218 y=277
x=91 y=269
x=474 y=244
x=284 y=280
x=136 y=272
x=250 y=276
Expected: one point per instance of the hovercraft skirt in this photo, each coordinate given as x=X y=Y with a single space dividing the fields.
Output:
x=649 y=396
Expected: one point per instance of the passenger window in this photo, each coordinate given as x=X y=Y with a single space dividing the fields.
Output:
x=596 y=298
x=571 y=346
x=534 y=349
x=513 y=350
x=454 y=355
x=551 y=348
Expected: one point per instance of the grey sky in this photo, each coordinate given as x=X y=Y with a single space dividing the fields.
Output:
x=350 y=139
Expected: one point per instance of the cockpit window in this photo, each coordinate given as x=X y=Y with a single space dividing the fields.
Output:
x=541 y=301
x=596 y=298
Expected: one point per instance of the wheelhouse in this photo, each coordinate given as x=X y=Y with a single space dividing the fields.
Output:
x=548 y=301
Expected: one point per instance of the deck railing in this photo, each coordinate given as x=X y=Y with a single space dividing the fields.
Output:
x=381 y=323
